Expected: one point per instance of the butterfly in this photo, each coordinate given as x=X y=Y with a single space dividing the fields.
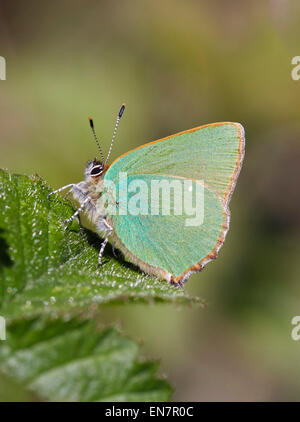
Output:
x=165 y=204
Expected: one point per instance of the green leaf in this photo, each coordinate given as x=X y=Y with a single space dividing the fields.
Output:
x=74 y=361
x=45 y=268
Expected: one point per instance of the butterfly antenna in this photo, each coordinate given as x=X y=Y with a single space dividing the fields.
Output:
x=115 y=131
x=96 y=139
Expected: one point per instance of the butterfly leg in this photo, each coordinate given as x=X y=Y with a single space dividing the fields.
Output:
x=107 y=230
x=68 y=193
x=114 y=251
x=81 y=208
x=61 y=189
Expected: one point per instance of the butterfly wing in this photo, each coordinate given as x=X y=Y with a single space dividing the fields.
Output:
x=211 y=156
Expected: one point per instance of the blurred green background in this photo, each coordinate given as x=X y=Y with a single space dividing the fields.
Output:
x=177 y=64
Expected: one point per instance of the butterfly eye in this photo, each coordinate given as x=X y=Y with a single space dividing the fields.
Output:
x=96 y=171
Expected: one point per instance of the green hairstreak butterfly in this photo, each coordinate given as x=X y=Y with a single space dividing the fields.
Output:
x=165 y=204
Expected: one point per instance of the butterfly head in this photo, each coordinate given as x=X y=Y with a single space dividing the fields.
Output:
x=94 y=169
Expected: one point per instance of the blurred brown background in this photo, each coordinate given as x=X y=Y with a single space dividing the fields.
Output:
x=177 y=64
